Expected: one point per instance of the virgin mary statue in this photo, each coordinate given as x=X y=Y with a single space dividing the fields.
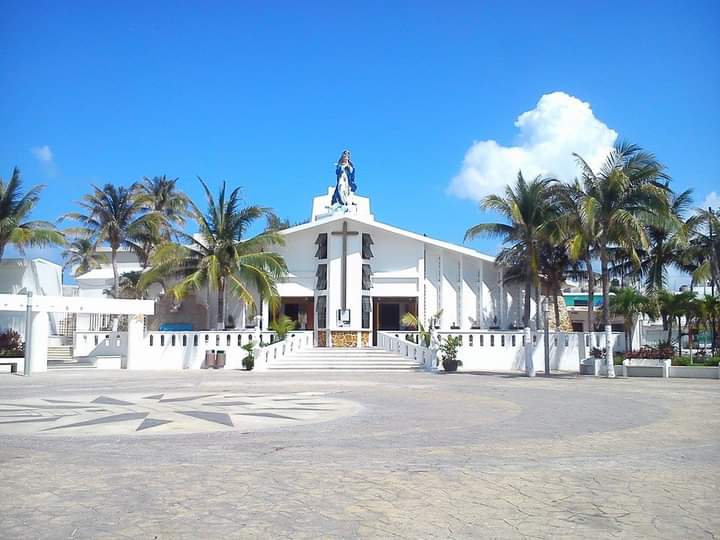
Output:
x=345 y=186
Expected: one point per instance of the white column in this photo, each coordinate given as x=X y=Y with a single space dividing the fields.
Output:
x=479 y=299
x=265 y=309
x=135 y=342
x=529 y=365
x=501 y=318
x=609 y=352
x=40 y=331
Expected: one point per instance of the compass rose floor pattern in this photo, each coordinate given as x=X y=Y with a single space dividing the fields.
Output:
x=143 y=414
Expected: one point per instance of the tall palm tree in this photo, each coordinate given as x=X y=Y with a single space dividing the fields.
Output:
x=161 y=196
x=667 y=245
x=529 y=209
x=579 y=234
x=83 y=255
x=220 y=256
x=555 y=267
x=15 y=207
x=112 y=214
x=631 y=304
x=622 y=197
x=704 y=252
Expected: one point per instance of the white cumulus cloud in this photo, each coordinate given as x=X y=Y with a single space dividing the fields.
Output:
x=711 y=201
x=43 y=153
x=559 y=125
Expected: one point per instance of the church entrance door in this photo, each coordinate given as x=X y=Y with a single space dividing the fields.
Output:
x=389 y=311
x=300 y=309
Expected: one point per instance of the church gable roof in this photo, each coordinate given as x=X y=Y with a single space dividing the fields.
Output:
x=389 y=228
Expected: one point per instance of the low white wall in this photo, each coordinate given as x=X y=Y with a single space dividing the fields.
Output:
x=504 y=351
x=694 y=372
x=186 y=350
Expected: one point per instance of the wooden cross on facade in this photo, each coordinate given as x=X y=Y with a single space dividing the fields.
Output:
x=343 y=264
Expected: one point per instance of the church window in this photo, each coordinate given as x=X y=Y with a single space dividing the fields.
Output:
x=366 y=312
x=367 y=243
x=321 y=311
x=366 y=277
x=321 y=242
x=321 y=276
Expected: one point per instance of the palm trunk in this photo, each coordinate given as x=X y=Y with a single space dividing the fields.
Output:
x=116 y=277
x=538 y=309
x=557 y=309
x=605 y=286
x=2 y=250
x=591 y=293
x=528 y=296
x=669 y=327
x=221 y=305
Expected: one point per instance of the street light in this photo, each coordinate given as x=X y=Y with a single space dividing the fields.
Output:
x=546 y=311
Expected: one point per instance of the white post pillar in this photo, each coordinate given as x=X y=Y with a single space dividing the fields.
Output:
x=39 y=334
x=529 y=365
x=135 y=341
x=265 y=310
x=609 y=352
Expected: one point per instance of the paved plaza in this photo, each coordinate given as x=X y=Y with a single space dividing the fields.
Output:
x=228 y=454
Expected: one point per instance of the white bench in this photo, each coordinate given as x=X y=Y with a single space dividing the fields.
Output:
x=13 y=362
x=108 y=361
x=646 y=367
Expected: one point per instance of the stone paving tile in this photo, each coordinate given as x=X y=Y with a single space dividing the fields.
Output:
x=422 y=457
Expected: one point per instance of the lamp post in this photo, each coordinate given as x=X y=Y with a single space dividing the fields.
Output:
x=28 y=333
x=546 y=333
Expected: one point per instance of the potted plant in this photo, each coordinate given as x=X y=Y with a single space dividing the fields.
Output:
x=448 y=349
x=249 y=361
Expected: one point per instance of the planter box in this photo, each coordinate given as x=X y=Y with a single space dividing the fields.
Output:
x=646 y=367
x=692 y=372
x=9 y=360
x=592 y=366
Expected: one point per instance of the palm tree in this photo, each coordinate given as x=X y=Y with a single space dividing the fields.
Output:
x=579 y=234
x=667 y=245
x=631 y=304
x=555 y=266
x=704 y=252
x=282 y=325
x=220 y=256
x=113 y=214
x=529 y=208
x=161 y=196
x=673 y=307
x=82 y=254
x=623 y=197
x=15 y=207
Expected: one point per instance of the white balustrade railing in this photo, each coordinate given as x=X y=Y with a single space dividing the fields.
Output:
x=265 y=356
x=396 y=342
x=481 y=350
x=186 y=349
x=99 y=344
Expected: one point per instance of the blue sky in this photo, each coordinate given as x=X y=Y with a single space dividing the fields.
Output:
x=267 y=94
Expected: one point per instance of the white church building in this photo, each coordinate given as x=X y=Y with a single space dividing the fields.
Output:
x=349 y=276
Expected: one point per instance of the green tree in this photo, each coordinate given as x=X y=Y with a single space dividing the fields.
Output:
x=621 y=198
x=15 y=207
x=112 y=214
x=221 y=256
x=83 y=255
x=632 y=304
x=703 y=256
x=529 y=208
x=673 y=307
x=161 y=196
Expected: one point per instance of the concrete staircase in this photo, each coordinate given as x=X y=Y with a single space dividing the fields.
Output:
x=61 y=357
x=364 y=359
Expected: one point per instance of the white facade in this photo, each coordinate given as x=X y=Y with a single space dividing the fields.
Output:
x=409 y=273
x=38 y=276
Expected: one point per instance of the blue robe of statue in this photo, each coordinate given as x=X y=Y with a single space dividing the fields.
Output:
x=339 y=195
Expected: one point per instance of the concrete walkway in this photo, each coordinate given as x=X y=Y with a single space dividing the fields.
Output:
x=410 y=455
